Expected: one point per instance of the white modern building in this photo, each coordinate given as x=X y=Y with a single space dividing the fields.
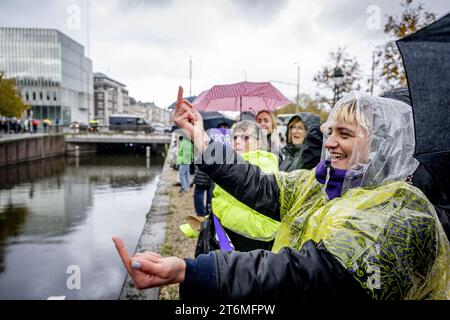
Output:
x=51 y=71
x=150 y=111
x=110 y=97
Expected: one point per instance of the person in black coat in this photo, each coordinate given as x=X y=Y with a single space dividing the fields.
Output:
x=304 y=143
x=203 y=186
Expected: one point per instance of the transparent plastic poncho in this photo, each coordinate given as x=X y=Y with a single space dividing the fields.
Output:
x=384 y=145
x=383 y=230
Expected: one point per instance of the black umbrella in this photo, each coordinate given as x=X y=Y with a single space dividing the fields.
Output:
x=426 y=57
x=213 y=119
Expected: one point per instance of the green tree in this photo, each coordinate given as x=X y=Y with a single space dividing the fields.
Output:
x=350 y=68
x=11 y=104
x=388 y=60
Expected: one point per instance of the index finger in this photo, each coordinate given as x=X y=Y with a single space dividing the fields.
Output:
x=123 y=253
x=179 y=98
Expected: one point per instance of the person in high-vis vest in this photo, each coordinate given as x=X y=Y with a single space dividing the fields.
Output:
x=246 y=228
x=352 y=229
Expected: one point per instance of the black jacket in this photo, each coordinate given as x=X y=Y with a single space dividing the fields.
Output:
x=313 y=273
x=201 y=179
x=242 y=243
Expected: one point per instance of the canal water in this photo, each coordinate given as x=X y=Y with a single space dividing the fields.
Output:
x=57 y=218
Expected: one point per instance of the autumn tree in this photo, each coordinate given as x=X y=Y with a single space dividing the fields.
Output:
x=351 y=75
x=306 y=104
x=11 y=104
x=388 y=60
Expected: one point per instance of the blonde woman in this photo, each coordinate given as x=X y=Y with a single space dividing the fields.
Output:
x=268 y=123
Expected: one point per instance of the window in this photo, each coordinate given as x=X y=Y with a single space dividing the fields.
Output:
x=34 y=96
x=41 y=97
x=54 y=96
x=48 y=95
x=27 y=96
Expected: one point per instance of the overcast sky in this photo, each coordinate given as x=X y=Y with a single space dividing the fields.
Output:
x=146 y=44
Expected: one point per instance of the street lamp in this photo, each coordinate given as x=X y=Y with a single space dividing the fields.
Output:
x=338 y=79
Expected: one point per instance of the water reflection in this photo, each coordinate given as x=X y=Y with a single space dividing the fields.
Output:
x=63 y=212
x=11 y=219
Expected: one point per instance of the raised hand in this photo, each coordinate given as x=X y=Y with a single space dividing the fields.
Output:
x=189 y=119
x=149 y=269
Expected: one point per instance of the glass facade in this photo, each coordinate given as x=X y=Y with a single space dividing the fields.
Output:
x=31 y=56
x=50 y=70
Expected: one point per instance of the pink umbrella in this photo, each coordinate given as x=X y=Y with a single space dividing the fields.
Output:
x=242 y=96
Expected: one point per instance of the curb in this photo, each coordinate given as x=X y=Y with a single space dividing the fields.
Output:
x=153 y=235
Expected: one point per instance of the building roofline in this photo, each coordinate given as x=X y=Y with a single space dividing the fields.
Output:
x=102 y=75
x=31 y=28
x=47 y=29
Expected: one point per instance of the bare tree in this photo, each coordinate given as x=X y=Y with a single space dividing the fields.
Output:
x=350 y=71
x=306 y=104
x=388 y=60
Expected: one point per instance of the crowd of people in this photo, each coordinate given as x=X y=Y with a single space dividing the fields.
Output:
x=258 y=142
x=335 y=213
x=14 y=125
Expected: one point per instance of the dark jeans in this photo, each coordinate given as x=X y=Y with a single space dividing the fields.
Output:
x=199 y=200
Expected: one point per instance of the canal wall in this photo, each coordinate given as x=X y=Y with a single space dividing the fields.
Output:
x=26 y=147
x=153 y=234
x=83 y=149
x=20 y=148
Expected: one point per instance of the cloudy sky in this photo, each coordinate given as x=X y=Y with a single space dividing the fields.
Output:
x=147 y=44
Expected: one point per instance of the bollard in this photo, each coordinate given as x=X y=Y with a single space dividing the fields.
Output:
x=77 y=151
x=148 y=151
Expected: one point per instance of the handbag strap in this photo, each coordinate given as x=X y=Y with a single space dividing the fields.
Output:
x=224 y=241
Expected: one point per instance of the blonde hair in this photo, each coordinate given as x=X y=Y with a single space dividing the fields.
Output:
x=349 y=112
x=272 y=117
x=346 y=112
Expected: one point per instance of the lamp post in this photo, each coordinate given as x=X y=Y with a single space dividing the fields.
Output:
x=338 y=79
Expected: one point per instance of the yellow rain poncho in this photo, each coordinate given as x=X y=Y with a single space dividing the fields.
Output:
x=381 y=229
x=238 y=217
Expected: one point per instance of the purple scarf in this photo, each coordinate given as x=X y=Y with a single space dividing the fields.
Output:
x=336 y=180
